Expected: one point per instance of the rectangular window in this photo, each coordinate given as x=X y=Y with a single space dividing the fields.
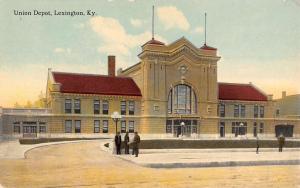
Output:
x=261 y=128
x=77 y=126
x=17 y=127
x=96 y=126
x=222 y=110
x=194 y=126
x=68 y=126
x=233 y=128
x=96 y=106
x=255 y=129
x=131 y=107
x=262 y=111
x=123 y=107
x=42 y=129
x=77 y=106
x=243 y=110
x=105 y=107
x=256 y=111
x=169 y=126
x=68 y=106
x=131 y=127
x=277 y=112
x=105 y=126
x=123 y=126
x=236 y=110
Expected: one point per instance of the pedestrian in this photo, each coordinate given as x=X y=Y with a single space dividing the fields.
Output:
x=118 y=142
x=126 y=143
x=281 y=141
x=136 y=144
x=257 y=145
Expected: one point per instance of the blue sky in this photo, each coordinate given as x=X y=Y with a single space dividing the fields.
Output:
x=258 y=40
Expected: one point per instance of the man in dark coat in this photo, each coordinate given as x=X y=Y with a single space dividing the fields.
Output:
x=257 y=145
x=281 y=141
x=126 y=143
x=118 y=142
x=136 y=144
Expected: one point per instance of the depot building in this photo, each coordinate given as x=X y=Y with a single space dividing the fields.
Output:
x=172 y=92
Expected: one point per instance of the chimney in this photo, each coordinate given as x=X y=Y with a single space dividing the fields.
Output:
x=111 y=65
x=270 y=97
x=283 y=94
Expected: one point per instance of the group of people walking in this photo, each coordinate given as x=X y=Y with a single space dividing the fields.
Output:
x=135 y=143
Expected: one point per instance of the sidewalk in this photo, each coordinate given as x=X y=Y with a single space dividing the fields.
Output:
x=183 y=158
x=12 y=149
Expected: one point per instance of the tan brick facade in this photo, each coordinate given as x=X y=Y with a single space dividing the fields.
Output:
x=165 y=71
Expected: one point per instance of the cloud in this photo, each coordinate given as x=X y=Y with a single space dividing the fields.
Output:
x=116 y=40
x=136 y=22
x=62 y=50
x=171 y=17
x=198 y=29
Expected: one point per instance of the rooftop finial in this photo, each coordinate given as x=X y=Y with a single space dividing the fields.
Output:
x=153 y=22
x=205 y=30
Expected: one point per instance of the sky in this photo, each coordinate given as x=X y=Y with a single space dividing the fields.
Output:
x=258 y=40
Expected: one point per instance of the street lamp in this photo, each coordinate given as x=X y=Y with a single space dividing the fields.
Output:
x=116 y=117
x=182 y=124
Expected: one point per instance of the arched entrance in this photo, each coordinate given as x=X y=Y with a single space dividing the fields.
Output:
x=285 y=130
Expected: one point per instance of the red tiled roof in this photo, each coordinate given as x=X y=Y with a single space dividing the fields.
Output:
x=245 y=92
x=155 y=42
x=96 y=84
x=205 y=47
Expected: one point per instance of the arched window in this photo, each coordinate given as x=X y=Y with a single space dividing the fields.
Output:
x=182 y=100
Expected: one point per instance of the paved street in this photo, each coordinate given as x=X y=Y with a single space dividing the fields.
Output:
x=84 y=164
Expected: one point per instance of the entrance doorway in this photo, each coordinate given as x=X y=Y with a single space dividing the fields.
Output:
x=285 y=130
x=222 y=129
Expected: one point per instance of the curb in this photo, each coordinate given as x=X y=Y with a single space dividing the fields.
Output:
x=221 y=164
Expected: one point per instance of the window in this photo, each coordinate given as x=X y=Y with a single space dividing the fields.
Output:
x=277 y=112
x=236 y=110
x=68 y=126
x=123 y=126
x=194 y=128
x=131 y=107
x=105 y=107
x=68 y=106
x=255 y=129
x=123 y=107
x=131 y=127
x=169 y=126
x=182 y=100
x=262 y=111
x=17 y=127
x=96 y=106
x=77 y=126
x=255 y=111
x=105 y=126
x=261 y=128
x=233 y=128
x=77 y=106
x=243 y=110
x=96 y=126
x=222 y=110
x=42 y=129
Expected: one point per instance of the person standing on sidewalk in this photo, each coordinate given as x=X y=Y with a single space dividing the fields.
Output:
x=136 y=144
x=126 y=143
x=257 y=145
x=281 y=141
x=118 y=141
